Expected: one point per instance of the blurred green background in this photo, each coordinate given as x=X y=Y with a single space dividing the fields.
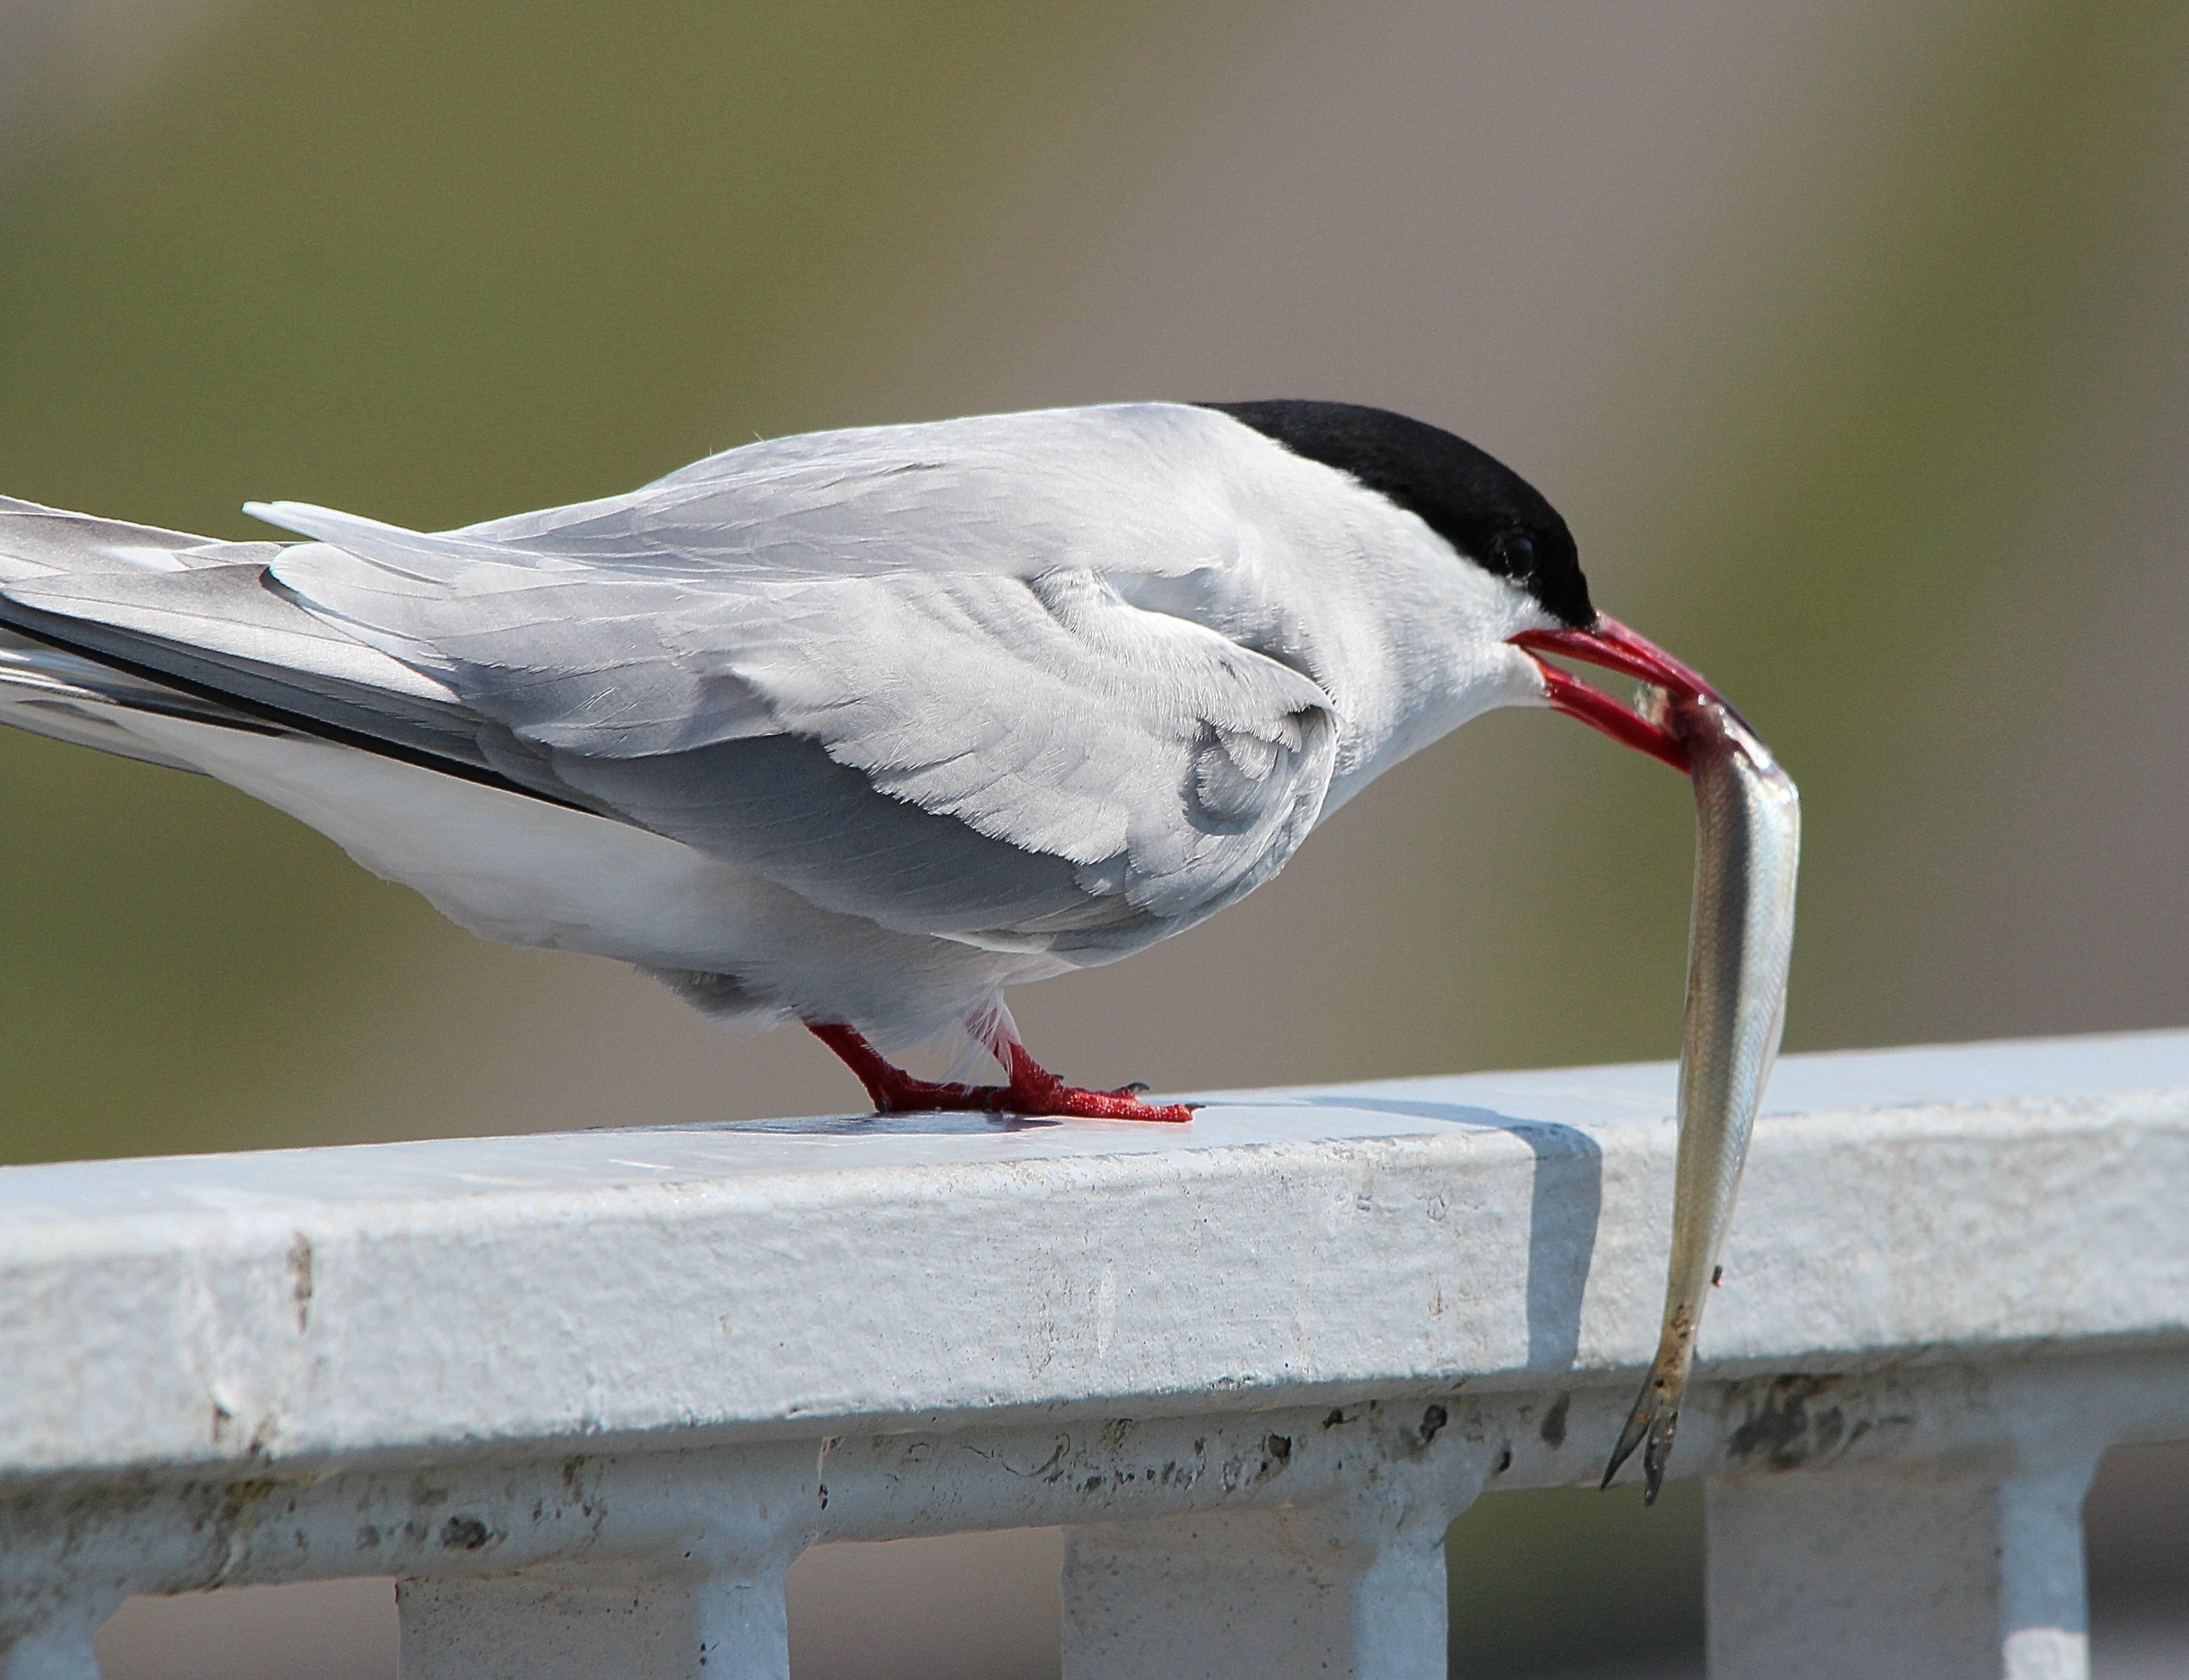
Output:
x=1849 y=338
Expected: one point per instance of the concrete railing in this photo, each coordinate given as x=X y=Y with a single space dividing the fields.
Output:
x=586 y=1394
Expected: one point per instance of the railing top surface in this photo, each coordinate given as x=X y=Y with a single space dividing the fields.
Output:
x=676 y=1285
x=1588 y=1100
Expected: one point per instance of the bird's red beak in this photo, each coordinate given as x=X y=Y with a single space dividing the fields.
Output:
x=1610 y=643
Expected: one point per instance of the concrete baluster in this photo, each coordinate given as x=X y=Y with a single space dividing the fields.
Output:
x=1354 y=1590
x=1963 y=1571
x=597 y=1624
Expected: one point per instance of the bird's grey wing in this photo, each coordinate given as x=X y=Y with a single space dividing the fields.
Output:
x=881 y=667
x=1031 y=763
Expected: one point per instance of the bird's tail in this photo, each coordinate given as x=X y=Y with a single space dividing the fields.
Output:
x=50 y=691
x=42 y=542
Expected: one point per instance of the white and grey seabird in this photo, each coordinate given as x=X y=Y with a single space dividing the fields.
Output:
x=856 y=728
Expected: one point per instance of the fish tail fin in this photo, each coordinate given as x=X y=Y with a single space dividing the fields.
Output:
x=1655 y=1417
x=1639 y=1417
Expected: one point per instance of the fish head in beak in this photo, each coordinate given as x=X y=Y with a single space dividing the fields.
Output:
x=1610 y=643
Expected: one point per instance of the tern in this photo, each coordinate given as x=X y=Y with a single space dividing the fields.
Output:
x=856 y=728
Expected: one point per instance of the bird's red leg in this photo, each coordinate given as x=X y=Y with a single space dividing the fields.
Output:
x=1032 y=1088
x=893 y=1090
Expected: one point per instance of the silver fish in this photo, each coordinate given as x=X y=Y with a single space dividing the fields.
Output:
x=1740 y=937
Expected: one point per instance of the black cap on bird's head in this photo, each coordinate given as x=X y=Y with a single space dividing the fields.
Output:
x=1500 y=521
x=1475 y=502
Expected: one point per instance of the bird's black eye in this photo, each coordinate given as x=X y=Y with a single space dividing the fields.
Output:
x=1519 y=549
